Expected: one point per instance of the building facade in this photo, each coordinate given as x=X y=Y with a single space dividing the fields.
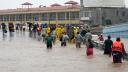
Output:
x=103 y=12
x=55 y=14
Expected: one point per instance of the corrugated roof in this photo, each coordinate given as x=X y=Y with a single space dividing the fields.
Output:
x=71 y=2
x=26 y=3
x=56 y=4
x=116 y=28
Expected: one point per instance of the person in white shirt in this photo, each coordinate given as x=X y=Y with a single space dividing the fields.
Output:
x=65 y=38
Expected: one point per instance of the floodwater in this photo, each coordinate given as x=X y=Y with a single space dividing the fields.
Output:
x=20 y=53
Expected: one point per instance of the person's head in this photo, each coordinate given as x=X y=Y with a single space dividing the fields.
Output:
x=64 y=33
x=118 y=39
x=89 y=40
x=49 y=34
x=77 y=32
x=88 y=30
x=109 y=37
x=3 y=23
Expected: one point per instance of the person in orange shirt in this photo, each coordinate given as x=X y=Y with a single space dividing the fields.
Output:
x=118 y=51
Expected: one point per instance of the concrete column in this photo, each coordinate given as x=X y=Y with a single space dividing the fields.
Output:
x=9 y=17
x=57 y=19
x=65 y=17
x=25 y=18
x=40 y=17
x=69 y=17
x=15 y=17
x=100 y=16
x=48 y=19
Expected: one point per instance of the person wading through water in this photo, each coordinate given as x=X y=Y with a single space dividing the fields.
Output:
x=108 y=46
x=118 y=51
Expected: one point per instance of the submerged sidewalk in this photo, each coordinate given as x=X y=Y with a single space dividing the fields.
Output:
x=24 y=54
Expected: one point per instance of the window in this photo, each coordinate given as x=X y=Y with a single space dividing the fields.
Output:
x=52 y=16
x=61 y=16
x=67 y=15
x=44 y=16
x=87 y=14
x=36 y=17
x=12 y=17
x=21 y=17
x=117 y=13
x=1 y=18
x=74 y=15
x=18 y=17
x=6 y=18
x=28 y=17
x=123 y=13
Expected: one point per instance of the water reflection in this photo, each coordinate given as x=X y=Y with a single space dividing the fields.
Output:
x=49 y=49
x=11 y=35
x=4 y=37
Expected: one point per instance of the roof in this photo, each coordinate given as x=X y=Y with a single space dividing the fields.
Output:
x=116 y=28
x=71 y=2
x=56 y=4
x=26 y=3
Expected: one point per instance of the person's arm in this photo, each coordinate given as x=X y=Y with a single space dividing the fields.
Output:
x=67 y=37
x=81 y=38
x=124 y=52
x=104 y=42
x=111 y=44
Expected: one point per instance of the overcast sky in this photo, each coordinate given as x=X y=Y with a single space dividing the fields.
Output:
x=11 y=4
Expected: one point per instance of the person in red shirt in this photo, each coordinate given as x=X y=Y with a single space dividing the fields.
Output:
x=101 y=38
x=39 y=32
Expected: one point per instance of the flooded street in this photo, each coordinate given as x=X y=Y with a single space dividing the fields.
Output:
x=23 y=54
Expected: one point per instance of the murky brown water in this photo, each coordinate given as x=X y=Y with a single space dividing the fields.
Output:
x=24 y=54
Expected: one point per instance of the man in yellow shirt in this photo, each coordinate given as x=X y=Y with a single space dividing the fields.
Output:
x=58 y=31
x=48 y=30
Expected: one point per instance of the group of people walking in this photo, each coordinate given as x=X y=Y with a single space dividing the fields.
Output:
x=10 y=28
x=112 y=48
x=72 y=35
x=83 y=36
x=115 y=48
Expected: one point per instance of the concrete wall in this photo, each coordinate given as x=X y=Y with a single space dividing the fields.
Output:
x=103 y=3
x=105 y=15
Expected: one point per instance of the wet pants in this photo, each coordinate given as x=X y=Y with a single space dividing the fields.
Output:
x=117 y=57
